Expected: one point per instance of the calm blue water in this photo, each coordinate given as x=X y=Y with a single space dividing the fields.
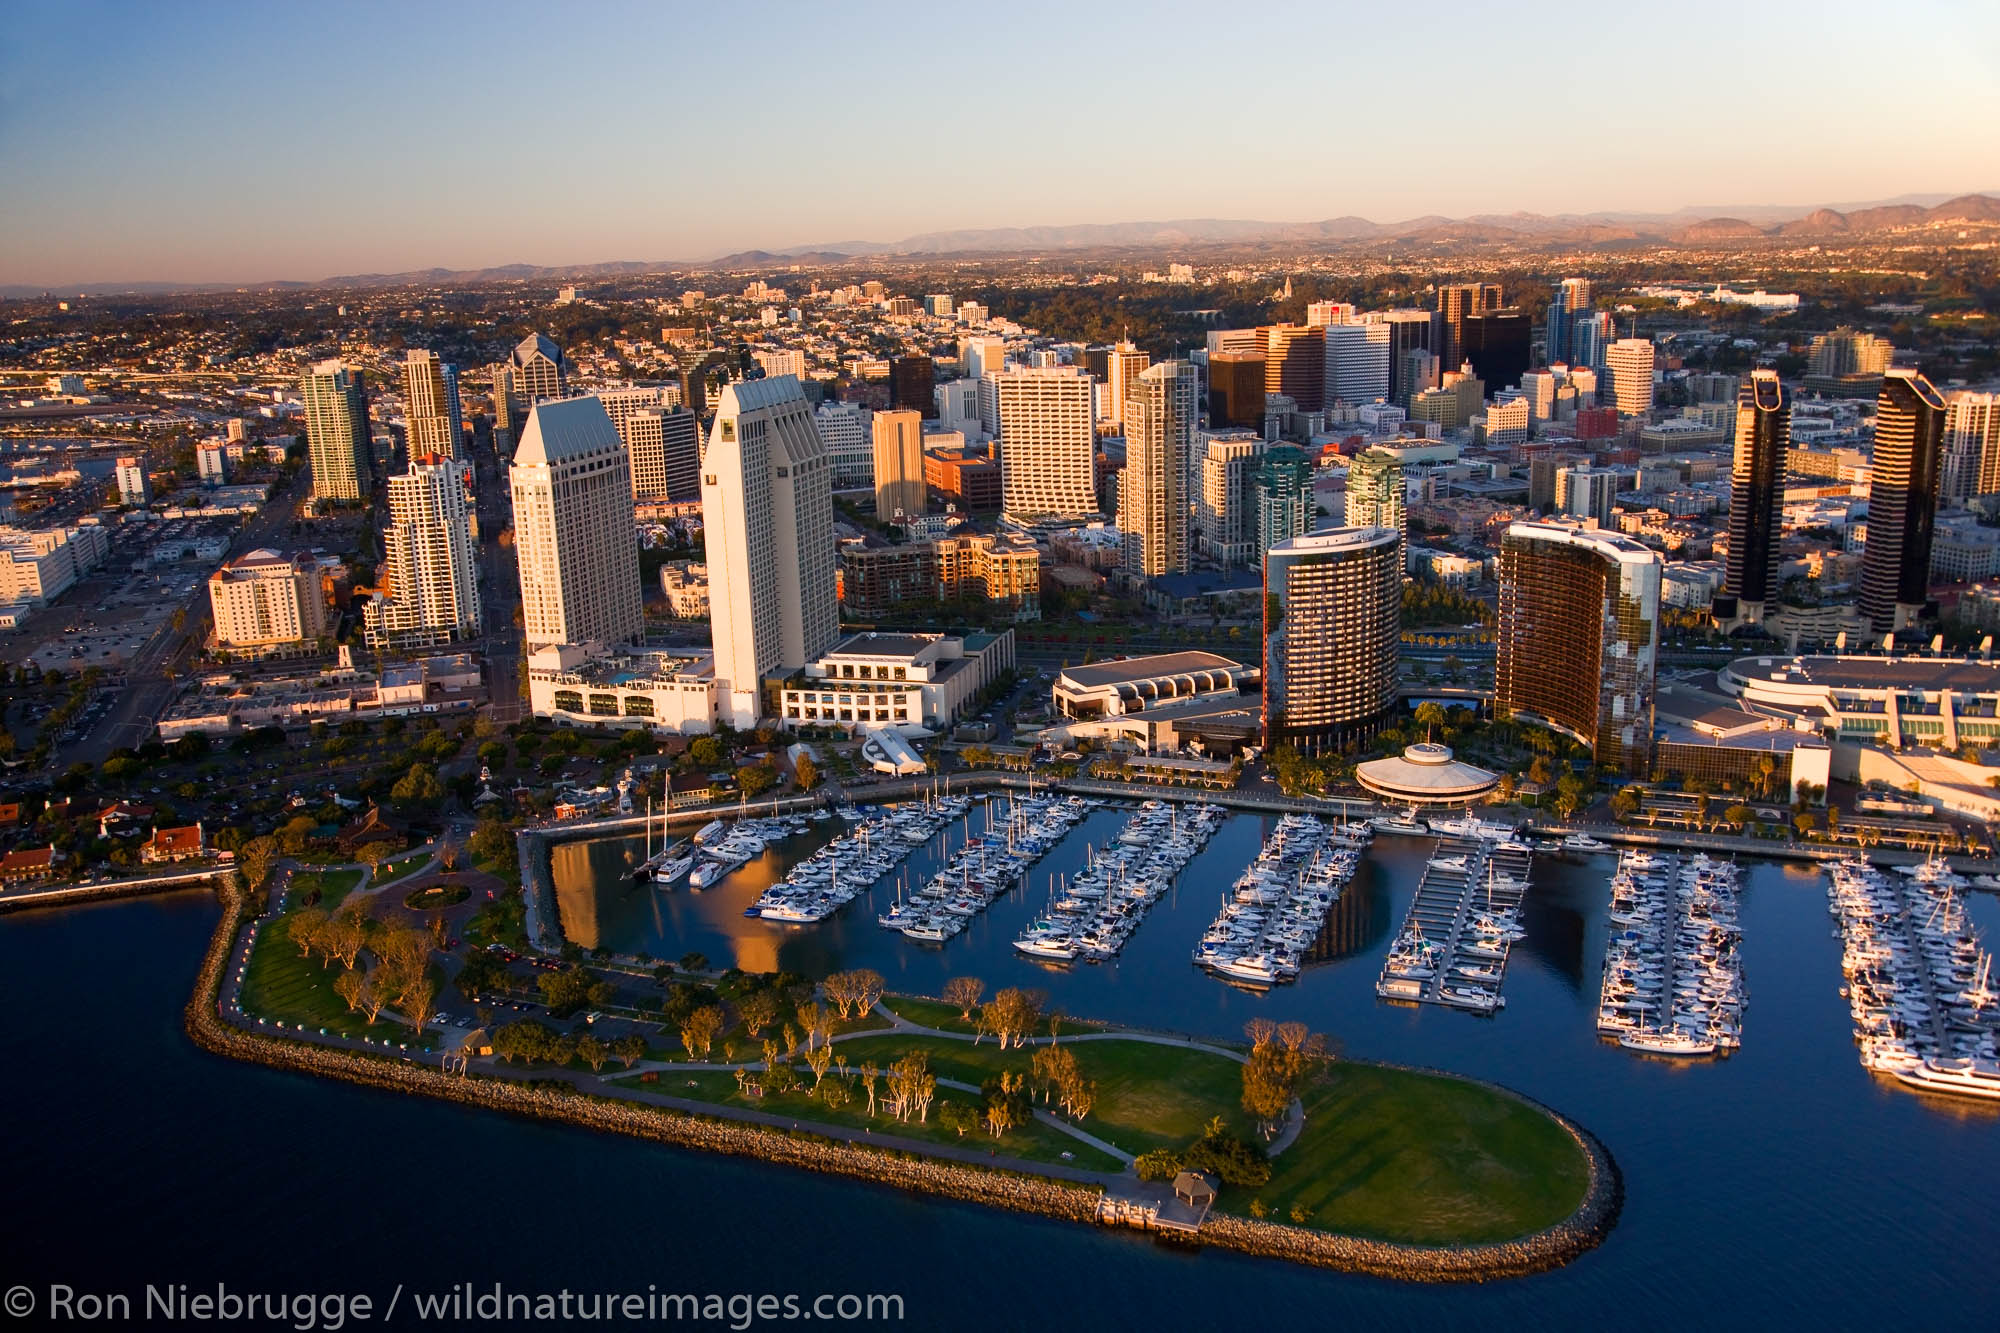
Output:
x=1782 y=1187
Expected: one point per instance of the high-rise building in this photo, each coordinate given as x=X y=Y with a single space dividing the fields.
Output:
x=1048 y=443
x=574 y=537
x=1154 y=492
x=427 y=589
x=1122 y=365
x=1419 y=375
x=539 y=371
x=262 y=599
x=845 y=430
x=767 y=506
x=1971 y=445
x=913 y=384
x=1284 y=488
x=1357 y=362
x=134 y=486
x=1295 y=365
x=1236 y=389
x=502 y=397
x=1227 y=515
x=1497 y=344
x=1902 y=500
x=430 y=403
x=782 y=362
x=336 y=432
x=1325 y=314
x=1409 y=330
x=1591 y=336
x=899 y=465
x=1376 y=496
x=1583 y=492
x=1570 y=298
x=1756 y=499
x=1630 y=361
x=211 y=461
x=1578 y=638
x=665 y=443
x=1333 y=603
x=1847 y=363
x=1456 y=302
x=980 y=355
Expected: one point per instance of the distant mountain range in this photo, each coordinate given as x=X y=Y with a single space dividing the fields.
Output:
x=1688 y=226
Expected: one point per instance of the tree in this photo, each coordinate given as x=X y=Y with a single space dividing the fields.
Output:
x=592 y=1051
x=420 y=786
x=374 y=854
x=630 y=1048
x=1012 y=1014
x=416 y=1001
x=1738 y=815
x=817 y=1021
x=348 y=987
x=491 y=842
x=870 y=1076
x=447 y=854
x=818 y=1059
x=704 y=751
x=755 y=779
x=958 y=1117
x=759 y=1010
x=1006 y=1104
x=306 y=928
x=699 y=1029
x=911 y=1086
x=1430 y=716
x=1805 y=822
x=805 y=773
x=964 y=993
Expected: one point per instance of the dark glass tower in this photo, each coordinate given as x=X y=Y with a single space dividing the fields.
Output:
x=1756 y=498
x=1902 y=500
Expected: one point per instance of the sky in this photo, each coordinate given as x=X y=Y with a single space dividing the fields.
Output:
x=222 y=142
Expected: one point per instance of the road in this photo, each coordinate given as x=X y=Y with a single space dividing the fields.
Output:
x=500 y=591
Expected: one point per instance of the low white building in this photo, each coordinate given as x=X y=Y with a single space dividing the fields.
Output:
x=686 y=585
x=581 y=685
x=913 y=683
x=37 y=566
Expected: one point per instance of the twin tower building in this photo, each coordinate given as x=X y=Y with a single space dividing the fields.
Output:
x=767 y=511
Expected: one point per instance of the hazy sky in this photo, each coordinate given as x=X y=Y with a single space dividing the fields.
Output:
x=221 y=142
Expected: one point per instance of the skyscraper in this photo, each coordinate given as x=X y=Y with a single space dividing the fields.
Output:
x=1048 y=443
x=1591 y=336
x=665 y=444
x=1409 y=330
x=574 y=537
x=1455 y=302
x=1578 y=638
x=1284 y=495
x=1630 y=361
x=1122 y=365
x=1153 y=493
x=912 y=384
x=427 y=589
x=1332 y=615
x=430 y=402
x=767 y=501
x=1228 y=507
x=899 y=465
x=1756 y=499
x=1295 y=365
x=1847 y=363
x=1375 y=492
x=1971 y=445
x=336 y=432
x=1498 y=345
x=1902 y=500
x=1236 y=389
x=538 y=369
x=1357 y=362
x=1570 y=298
x=502 y=395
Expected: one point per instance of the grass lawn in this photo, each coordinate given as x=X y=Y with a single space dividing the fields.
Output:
x=333 y=886
x=945 y=1017
x=1148 y=1095
x=1422 y=1159
x=1035 y=1142
x=400 y=867
x=282 y=986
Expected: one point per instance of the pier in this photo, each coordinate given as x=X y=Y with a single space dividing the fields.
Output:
x=1461 y=925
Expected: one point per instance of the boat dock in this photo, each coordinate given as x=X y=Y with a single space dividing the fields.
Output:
x=1673 y=977
x=1461 y=925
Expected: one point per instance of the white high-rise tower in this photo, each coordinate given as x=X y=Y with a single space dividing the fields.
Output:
x=1048 y=443
x=573 y=531
x=428 y=589
x=1154 y=494
x=767 y=509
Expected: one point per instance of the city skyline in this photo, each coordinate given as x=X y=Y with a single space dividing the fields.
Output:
x=102 y=117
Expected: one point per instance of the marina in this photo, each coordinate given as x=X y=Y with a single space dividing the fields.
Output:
x=1673 y=975
x=984 y=868
x=1098 y=910
x=1277 y=907
x=1463 y=921
x=837 y=873
x=1919 y=983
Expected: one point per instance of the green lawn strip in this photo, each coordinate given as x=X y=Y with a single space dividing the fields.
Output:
x=945 y=1017
x=401 y=867
x=280 y=985
x=1034 y=1142
x=1148 y=1095
x=333 y=886
x=1422 y=1159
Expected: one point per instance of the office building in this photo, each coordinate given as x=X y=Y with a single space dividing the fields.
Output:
x=1409 y=331
x=785 y=362
x=968 y=481
x=501 y=395
x=1418 y=375
x=1497 y=344
x=1048 y=444
x=427 y=589
x=1333 y=614
x=1376 y=495
x=1847 y=363
x=1591 y=336
x=134 y=486
x=262 y=600
x=899 y=465
x=1154 y=491
x=1122 y=364
x=982 y=355
x=767 y=506
x=1236 y=389
x=538 y=370
x=211 y=462
x=431 y=406
x=1227 y=512
x=845 y=430
x=1285 y=506
x=1756 y=500
x=1357 y=362
x=1587 y=493
x=1578 y=638
x=1569 y=299
x=1630 y=362
x=1902 y=500
x=916 y=683
x=574 y=536
x=1971 y=445
x=913 y=385
x=336 y=433
x=665 y=446
x=1455 y=303
x=1295 y=365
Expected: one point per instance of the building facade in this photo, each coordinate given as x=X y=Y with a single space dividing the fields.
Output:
x=1333 y=616
x=574 y=535
x=1756 y=499
x=537 y=369
x=336 y=433
x=436 y=418
x=900 y=492
x=1048 y=444
x=1902 y=501
x=263 y=600
x=910 y=683
x=429 y=581
x=1630 y=362
x=1285 y=507
x=1154 y=497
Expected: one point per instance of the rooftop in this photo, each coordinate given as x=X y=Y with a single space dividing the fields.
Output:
x=1148 y=668
x=1425 y=774
x=1872 y=673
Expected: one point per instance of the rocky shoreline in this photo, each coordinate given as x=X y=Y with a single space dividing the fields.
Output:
x=555 y=1100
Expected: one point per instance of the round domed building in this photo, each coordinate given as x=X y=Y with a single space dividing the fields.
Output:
x=1426 y=774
